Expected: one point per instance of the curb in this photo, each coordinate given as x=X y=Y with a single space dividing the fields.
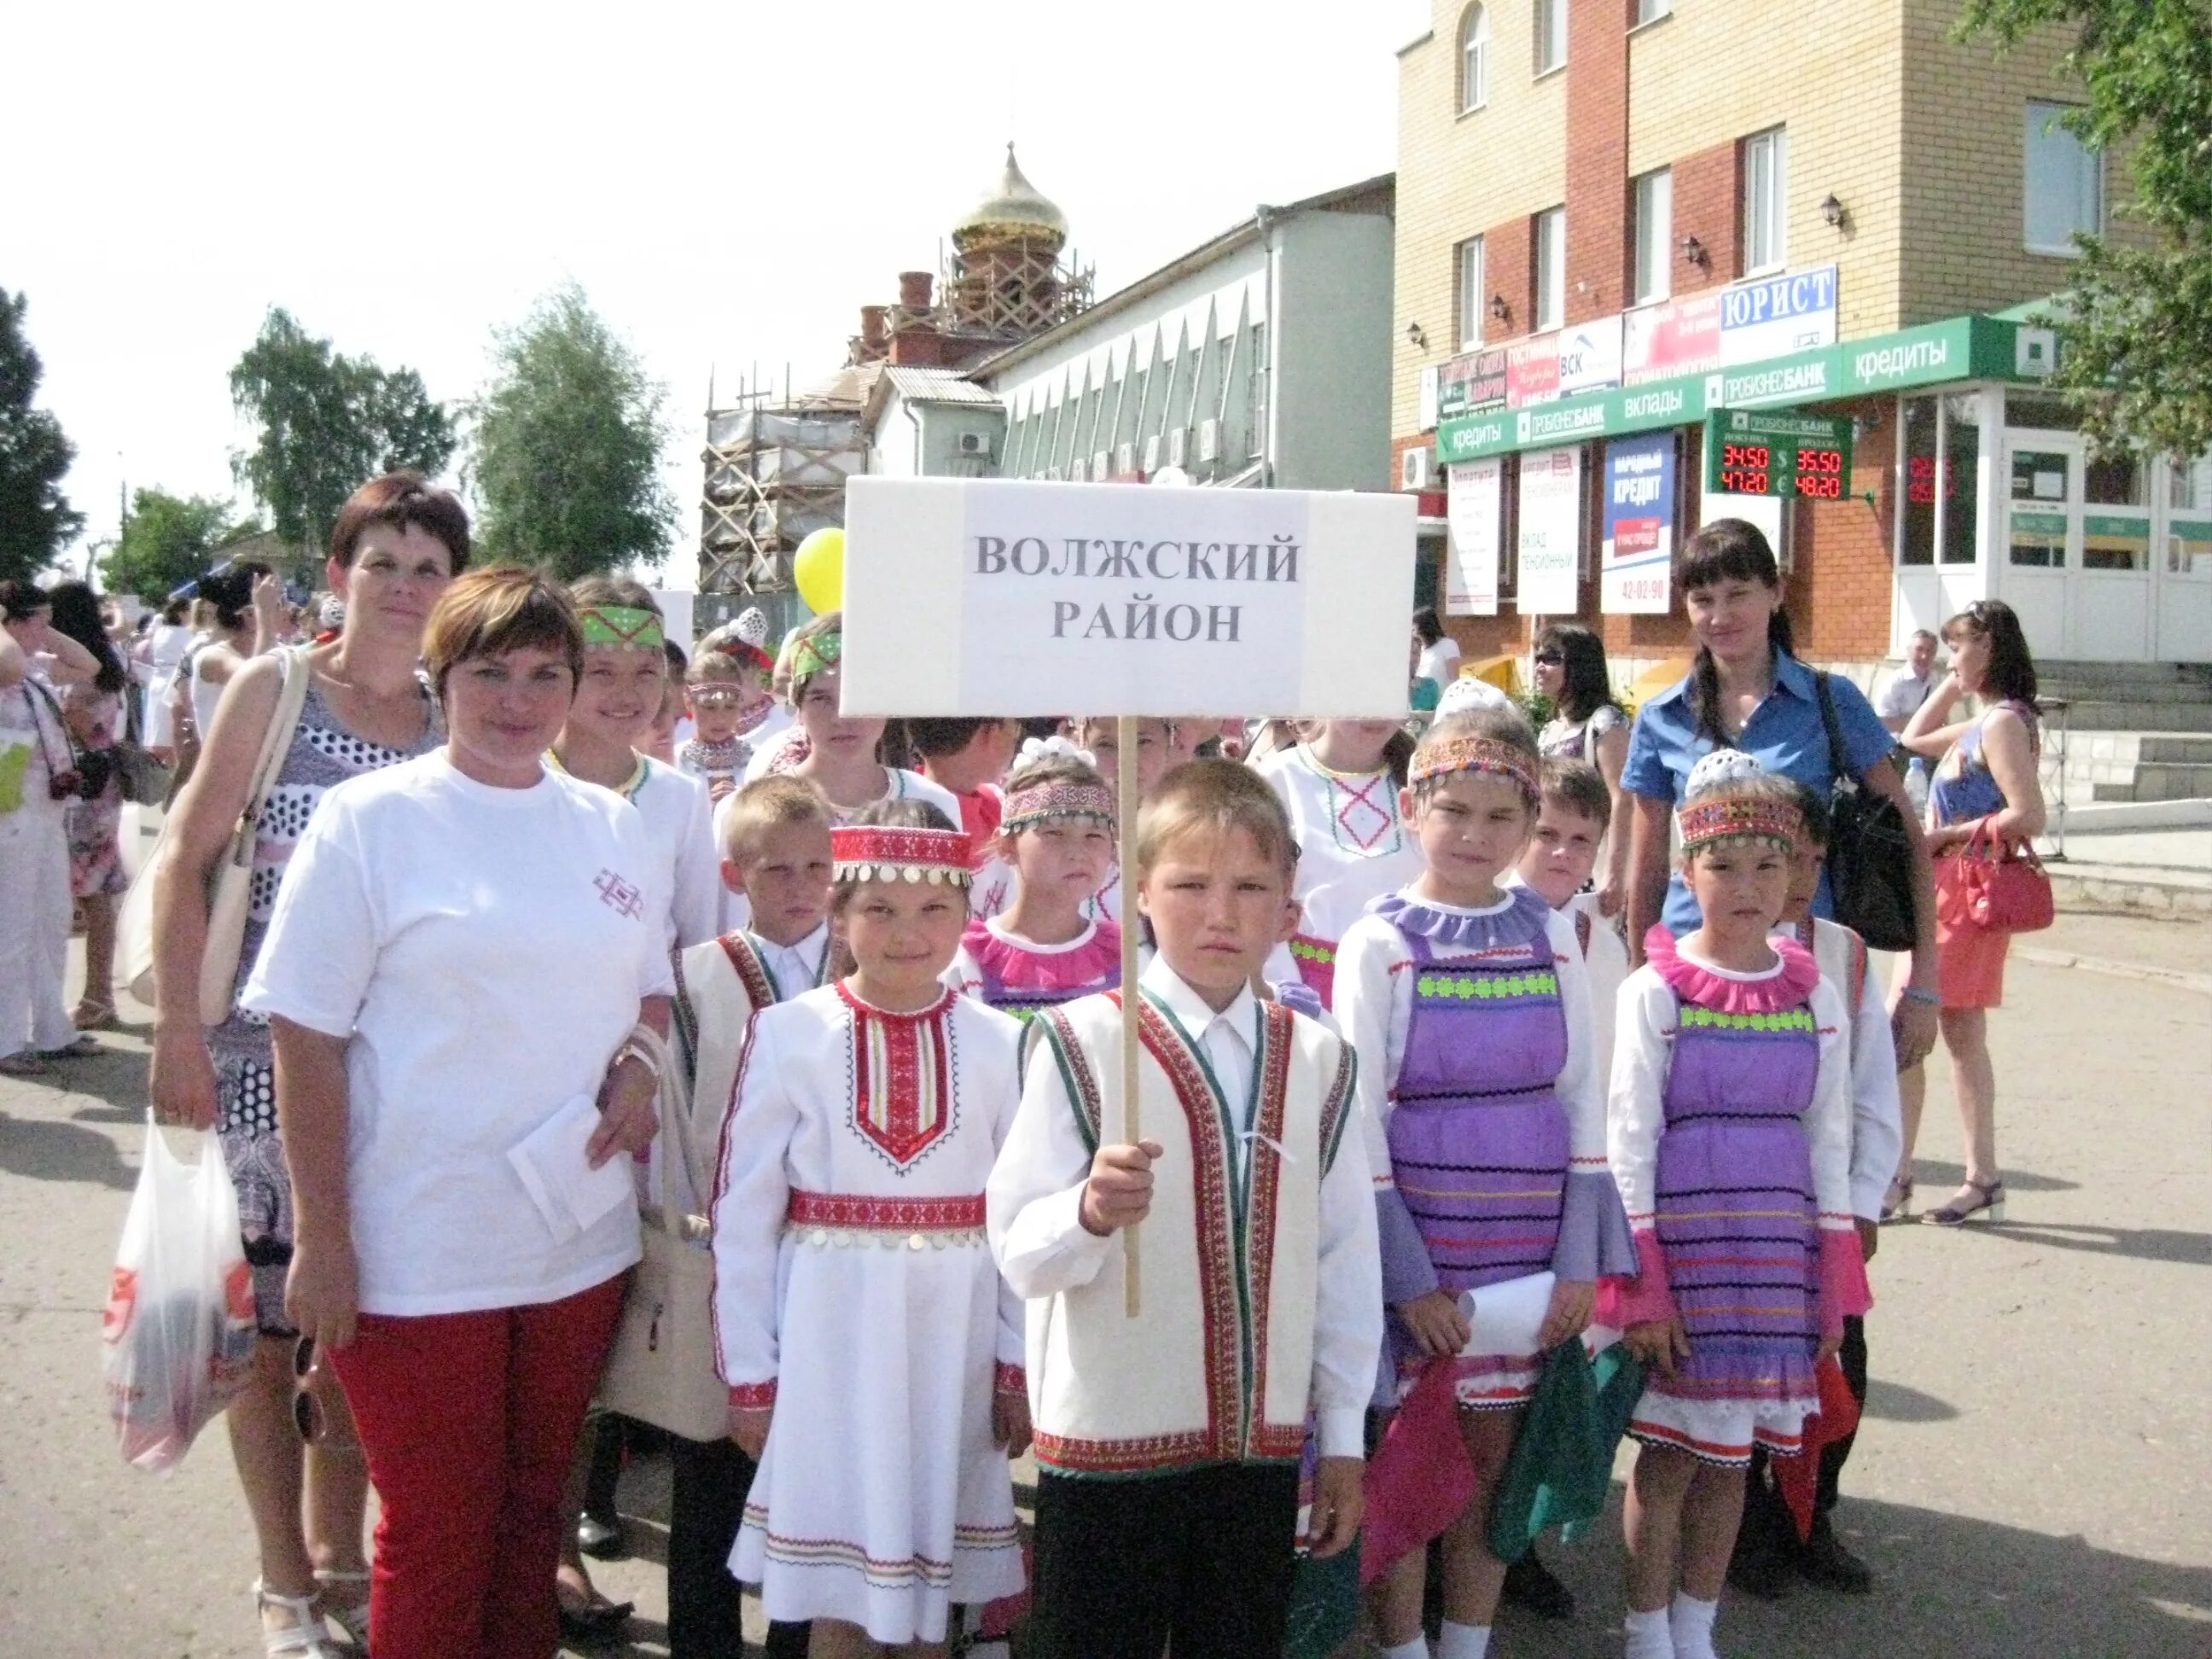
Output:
x=2151 y=890
x=2180 y=978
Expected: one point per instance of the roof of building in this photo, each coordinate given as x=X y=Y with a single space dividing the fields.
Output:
x=922 y=385
x=1350 y=198
x=1016 y=204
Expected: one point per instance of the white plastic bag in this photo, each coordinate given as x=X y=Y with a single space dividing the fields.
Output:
x=179 y=1333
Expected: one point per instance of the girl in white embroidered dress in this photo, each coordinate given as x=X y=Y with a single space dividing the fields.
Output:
x=872 y=1351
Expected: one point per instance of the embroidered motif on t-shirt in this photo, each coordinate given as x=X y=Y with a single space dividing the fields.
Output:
x=619 y=895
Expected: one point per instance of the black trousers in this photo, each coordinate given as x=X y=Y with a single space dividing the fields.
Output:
x=1763 y=1503
x=706 y=1609
x=1200 y=1561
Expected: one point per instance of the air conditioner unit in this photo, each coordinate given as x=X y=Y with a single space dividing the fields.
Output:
x=1179 y=446
x=1077 y=472
x=1101 y=466
x=975 y=443
x=1209 y=441
x=1417 y=470
x=1153 y=453
x=1125 y=459
x=1052 y=475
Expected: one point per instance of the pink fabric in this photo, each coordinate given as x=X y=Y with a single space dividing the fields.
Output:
x=1419 y=1479
x=1624 y=1302
x=1843 y=1288
x=1012 y=964
x=1787 y=989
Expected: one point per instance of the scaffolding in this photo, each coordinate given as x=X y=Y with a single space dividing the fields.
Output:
x=775 y=474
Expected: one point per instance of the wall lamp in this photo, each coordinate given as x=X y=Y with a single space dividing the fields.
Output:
x=1498 y=308
x=1415 y=338
x=1833 y=211
x=1694 y=251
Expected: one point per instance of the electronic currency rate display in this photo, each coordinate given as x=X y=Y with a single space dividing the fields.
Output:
x=1756 y=453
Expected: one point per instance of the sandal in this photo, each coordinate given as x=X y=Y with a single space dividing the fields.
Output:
x=306 y=1636
x=90 y=1016
x=1989 y=1205
x=24 y=1064
x=83 y=1048
x=345 y=1603
x=598 y=1617
x=1897 y=1203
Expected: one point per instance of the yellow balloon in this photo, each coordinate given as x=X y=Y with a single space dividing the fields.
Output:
x=817 y=570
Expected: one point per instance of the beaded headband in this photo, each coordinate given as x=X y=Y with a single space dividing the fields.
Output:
x=1473 y=754
x=815 y=653
x=620 y=625
x=1720 y=818
x=870 y=852
x=1092 y=803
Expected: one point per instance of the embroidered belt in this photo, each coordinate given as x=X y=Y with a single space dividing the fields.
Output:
x=918 y=1223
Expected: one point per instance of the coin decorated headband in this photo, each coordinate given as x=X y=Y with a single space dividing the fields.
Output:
x=870 y=852
x=620 y=625
x=1474 y=754
x=1040 y=803
x=1717 y=817
x=816 y=652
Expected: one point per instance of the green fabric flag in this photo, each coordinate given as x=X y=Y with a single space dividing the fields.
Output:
x=1562 y=1463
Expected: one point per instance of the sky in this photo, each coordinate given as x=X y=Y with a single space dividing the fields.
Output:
x=728 y=183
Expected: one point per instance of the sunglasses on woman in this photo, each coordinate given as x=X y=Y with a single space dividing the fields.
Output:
x=1550 y=660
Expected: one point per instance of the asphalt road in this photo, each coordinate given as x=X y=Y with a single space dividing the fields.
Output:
x=2034 y=1477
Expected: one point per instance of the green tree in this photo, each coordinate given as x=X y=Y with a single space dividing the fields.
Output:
x=167 y=540
x=328 y=423
x=2135 y=328
x=566 y=446
x=36 y=519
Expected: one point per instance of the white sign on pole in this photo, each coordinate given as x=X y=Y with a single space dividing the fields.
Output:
x=1550 y=532
x=974 y=596
x=1472 y=528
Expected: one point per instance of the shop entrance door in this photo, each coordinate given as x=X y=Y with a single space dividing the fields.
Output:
x=2078 y=549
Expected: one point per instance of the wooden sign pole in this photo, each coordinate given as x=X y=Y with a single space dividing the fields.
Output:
x=1126 y=780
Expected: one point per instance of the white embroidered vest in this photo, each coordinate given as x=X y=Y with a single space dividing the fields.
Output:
x=721 y=984
x=1219 y=1367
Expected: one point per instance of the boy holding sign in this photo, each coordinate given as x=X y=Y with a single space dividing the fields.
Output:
x=1168 y=1443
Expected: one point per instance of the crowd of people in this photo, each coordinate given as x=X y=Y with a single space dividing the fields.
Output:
x=1470 y=1047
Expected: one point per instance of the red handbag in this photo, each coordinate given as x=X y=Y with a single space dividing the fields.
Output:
x=2003 y=889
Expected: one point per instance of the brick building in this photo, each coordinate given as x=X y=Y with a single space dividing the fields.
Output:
x=1825 y=229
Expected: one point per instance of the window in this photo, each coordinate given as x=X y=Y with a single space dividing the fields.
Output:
x=1765 y=201
x=1551 y=258
x=1474 y=59
x=1654 y=234
x=1470 y=293
x=1550 y=35
x=2065 y=194
x=1651 y=11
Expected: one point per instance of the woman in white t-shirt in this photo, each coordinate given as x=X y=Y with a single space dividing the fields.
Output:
x=461 y=950
x=1587 y=724
x=1439 y=652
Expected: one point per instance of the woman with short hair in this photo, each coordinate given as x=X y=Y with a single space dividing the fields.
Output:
x=397 y=543
x=1986 y=783
x=1586 y=724
x=463 y=951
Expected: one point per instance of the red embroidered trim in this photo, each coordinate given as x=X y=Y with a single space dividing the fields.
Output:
x=886 y=1215
x=760 y=989
x=1274 y=1064
x=752 y=1396
x=1010 y=1379
x=943 y=850
x=917 y=1079
x=1152 y=1451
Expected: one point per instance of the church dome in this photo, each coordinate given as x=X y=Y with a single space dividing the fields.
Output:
x=1017 y=208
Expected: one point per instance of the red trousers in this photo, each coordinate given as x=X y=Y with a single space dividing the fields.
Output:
x=469 y=1421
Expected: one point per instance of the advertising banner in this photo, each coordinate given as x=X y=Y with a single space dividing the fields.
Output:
x=1682 y=337
x=1589 y=355
x=1774 y=316
x=1639 y=526
x=1532 y=371
x=1474 y=521
x=974 y=596
x=1550 y=532
x=1471 y=383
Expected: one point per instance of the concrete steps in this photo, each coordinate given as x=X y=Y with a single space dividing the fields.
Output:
x=2135 y=696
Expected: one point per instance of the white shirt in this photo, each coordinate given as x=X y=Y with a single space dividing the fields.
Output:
x=1877 y=1115
x=1606 y=957
x=1439 y=662
x=1352 y=845
x=680 y=822
x=1043 y=1248
x=795 y=968
x=484 y=950
x=1904 y=693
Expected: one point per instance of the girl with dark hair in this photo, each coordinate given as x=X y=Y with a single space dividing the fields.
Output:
x=35 y=657
x=1587 y=724
x=1436 y=653
x=1746 y=690
x=94 y=711
x=1986 y=783
x=247 y=602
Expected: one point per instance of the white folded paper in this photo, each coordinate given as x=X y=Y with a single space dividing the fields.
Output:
x=1505 y=1317
x=570 y=1194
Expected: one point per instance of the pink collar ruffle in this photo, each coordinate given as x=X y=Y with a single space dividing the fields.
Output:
x=1098 y=960
x=1693 y=983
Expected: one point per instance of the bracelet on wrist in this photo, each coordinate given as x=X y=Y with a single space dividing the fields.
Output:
x=641 y=1054
x=1914 y=994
